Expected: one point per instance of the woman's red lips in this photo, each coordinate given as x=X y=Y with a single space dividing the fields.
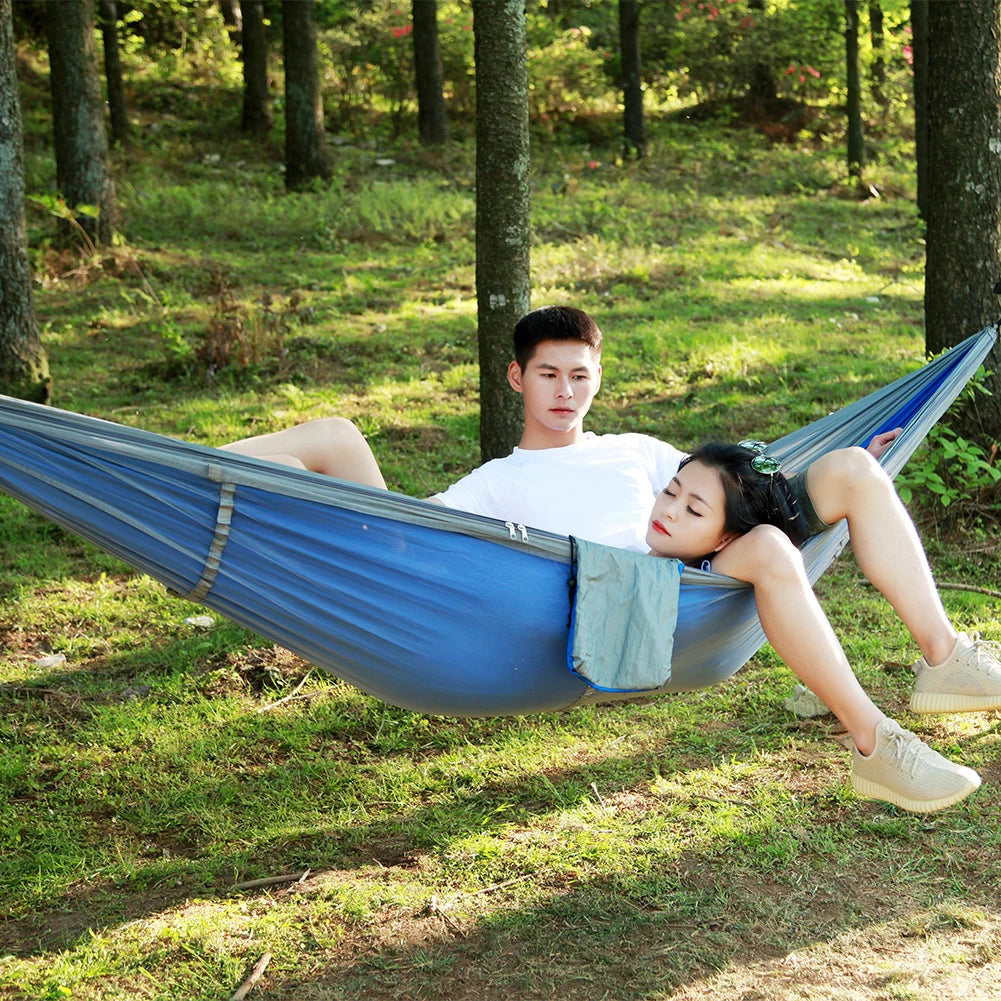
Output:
x=658 y=527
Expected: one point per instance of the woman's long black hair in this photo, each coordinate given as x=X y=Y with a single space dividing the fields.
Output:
x=752 y=498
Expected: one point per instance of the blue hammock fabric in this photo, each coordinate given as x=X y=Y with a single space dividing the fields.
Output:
x=429 y=609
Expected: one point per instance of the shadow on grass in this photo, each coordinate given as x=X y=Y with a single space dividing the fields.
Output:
x=584 y=931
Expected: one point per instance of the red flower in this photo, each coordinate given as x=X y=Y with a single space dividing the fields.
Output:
x=402 y=32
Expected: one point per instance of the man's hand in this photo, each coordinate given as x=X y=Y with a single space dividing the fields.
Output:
x=881 y=442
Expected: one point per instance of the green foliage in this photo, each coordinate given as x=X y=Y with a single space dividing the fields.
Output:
x=953 y=472
x=566 y=76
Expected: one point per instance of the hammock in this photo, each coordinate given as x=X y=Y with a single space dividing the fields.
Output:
x=430 y=609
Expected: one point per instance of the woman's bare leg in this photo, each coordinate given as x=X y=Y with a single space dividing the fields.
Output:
x=797 y=627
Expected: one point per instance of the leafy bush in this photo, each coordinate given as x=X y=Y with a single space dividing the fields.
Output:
x=950 y=471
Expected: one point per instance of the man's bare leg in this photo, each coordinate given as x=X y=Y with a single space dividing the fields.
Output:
x=849 y=483
x=330 y=445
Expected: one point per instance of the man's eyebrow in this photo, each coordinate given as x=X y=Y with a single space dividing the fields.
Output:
x=556 y=368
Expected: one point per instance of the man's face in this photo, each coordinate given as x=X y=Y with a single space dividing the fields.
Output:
x=558 y=385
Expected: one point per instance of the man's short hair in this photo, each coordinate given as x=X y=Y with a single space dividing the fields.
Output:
x=553 y=323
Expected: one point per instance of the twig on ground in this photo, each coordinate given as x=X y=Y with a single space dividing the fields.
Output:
x=255 y=974
x=290 y=696
x=253 y=884
x=501 y=885
x=968 y=587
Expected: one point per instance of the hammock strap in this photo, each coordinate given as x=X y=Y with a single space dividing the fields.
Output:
x=223 y=520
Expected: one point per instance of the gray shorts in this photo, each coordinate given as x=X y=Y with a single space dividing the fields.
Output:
x=797 y=485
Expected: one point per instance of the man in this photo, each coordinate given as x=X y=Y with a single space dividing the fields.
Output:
x=564 y=479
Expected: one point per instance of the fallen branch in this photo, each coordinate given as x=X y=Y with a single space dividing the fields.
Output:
x=253 y=884
x=255 y=974
x=290 y=696
x=970 y=587
x=501 y=885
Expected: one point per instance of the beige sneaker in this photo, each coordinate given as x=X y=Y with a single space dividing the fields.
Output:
x=907 y=772
x=970 y=680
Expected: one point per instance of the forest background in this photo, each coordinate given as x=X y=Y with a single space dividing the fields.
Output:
x=703 y=845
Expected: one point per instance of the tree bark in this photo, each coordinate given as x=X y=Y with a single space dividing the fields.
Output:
x=24 y=368
x=856 y=153
x=963 y=241
x=305 y=157
x=117 y=108
x=83 y=172
x=232 y=14
x=256 y=99
x=432 y=119
x=919 y=54
x=876 y=38
x=503 y=222
x=634 y=128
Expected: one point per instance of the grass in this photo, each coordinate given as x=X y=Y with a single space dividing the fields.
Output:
x=704 y=845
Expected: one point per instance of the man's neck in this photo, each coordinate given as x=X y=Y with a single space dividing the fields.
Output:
x=533 y=439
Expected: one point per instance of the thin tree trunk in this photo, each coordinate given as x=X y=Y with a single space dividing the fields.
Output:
x=256 y=99
x=305 y=158
x=24 y=368
x=117 y=108
x=503 y=222
x=432 y=119
x=856 y=154
x=919 y=53
x=83 y=172
x=877 y=39
x=634 y=128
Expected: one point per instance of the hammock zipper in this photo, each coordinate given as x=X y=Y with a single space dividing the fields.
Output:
x=512 y=527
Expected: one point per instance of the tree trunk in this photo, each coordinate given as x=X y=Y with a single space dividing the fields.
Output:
x=256 y=99
x=762 y=90
x=432 y=119
x=877 y=39
x=24 y=368
x=634 y=129
x=305 y=157
x=83 y=173
x=963 y=242
x=503 y=222
x=919 y=53
x=113 y=72
x=231 y=17
x=856 y=154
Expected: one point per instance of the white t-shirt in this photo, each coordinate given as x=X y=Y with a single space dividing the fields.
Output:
x=600 y=489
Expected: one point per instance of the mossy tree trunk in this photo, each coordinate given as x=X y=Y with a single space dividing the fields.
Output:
x=503 y=222
x=83 y=170
x=963 y=204
x=24 y=368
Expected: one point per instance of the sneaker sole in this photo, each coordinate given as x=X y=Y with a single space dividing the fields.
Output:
x=872 y=790
x=946 y=702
